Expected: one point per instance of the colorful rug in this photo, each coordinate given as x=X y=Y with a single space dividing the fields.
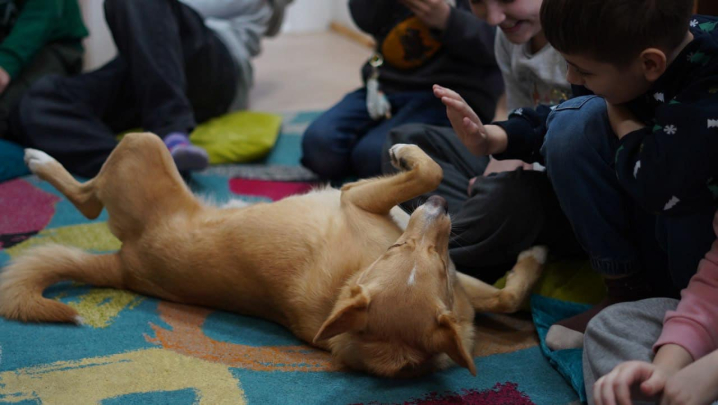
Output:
x=139 y=350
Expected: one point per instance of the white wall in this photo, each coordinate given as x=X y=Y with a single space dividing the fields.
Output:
x=301 y=16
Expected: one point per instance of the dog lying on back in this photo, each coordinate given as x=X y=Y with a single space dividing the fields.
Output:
x=343 y=270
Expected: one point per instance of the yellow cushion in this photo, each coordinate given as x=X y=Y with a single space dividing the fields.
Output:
x=240 y=136
x=570 y=280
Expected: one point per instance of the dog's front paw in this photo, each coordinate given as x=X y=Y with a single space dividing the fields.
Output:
x=401 y=155
x=34 y=159
x=538 y=253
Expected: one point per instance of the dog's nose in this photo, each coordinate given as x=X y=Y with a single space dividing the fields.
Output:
x=438 y=201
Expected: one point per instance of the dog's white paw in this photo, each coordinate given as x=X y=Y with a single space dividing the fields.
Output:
x=79 y=321
x=539 y=253
x=395 y=153
x=35 y=158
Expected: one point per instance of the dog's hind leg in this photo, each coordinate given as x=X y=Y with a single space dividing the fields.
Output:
x=82 y=195
x=419 y=175
x=519 y=283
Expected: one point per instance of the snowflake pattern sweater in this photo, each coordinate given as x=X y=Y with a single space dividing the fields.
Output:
x=671 y=165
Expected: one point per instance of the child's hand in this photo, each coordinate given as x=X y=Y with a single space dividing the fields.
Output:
x=617 y=386
x=4 y=80
x=622 y=120
x=695 y=384
x=434 y=13
x=465 y=122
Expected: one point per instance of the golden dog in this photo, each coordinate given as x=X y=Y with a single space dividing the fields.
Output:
x=342 y=269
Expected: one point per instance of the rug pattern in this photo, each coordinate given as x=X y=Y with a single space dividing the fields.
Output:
x=140 y=350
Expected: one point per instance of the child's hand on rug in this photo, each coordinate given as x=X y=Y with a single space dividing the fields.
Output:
x=641 y=380
x=621 y=385
x=480 y=139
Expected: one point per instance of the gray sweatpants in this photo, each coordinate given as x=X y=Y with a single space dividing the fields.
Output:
x=622 y=332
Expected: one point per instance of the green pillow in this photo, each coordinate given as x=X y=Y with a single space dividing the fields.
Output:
x=236 y=137
x=569 y=280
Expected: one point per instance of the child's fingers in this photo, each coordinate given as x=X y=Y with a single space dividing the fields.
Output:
x=444 y=92
x=607 y=395
x=654 y=385
x=457 y=105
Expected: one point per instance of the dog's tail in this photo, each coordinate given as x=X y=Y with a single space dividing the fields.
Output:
x=23 y=281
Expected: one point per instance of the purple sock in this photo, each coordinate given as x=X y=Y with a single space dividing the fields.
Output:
x=187 y=157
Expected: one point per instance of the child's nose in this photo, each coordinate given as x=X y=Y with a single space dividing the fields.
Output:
x=494 y=13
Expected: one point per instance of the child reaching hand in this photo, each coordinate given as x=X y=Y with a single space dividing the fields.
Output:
x=496 y=215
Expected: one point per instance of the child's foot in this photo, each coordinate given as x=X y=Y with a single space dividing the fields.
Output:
x=568 y=333
x=187 y=157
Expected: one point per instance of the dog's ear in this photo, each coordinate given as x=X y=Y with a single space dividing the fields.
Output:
x=349 y=314
x=451 y=343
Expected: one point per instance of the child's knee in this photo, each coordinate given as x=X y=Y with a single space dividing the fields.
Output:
x=576 y=129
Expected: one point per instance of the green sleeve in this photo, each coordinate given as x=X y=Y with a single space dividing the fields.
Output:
x=29 y=34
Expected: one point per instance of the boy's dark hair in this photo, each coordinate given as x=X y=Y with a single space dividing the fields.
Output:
x=615 y=31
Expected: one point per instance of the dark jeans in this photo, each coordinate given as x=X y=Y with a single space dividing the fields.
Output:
x=619 y=236
x=345 y=141
x=505 y=214
x=171 y=72
x=55 y=58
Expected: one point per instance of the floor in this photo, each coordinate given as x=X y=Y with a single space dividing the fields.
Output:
x=306 y=71
x=300 y=72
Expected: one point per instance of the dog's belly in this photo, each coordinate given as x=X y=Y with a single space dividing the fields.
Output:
x=261 y=260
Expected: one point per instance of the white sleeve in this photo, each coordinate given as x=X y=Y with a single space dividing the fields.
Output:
x=225 y=9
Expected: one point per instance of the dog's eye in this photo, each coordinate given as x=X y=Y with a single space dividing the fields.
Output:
x=396 y=245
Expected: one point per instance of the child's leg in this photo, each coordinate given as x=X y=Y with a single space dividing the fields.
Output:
x=420 y=107
x=445 y=148
x=506 y=213
x=579 y=151
x=158 y=39
x=75 y=119
x=328 y=142
x=56 y=58
x=620 y=333
x=177 y=68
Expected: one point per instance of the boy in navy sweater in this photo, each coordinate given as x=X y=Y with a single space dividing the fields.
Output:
x=635 y=166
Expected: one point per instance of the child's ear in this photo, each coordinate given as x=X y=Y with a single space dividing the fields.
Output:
x=653 y=63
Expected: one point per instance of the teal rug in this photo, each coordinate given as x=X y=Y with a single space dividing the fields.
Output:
x=140 y=350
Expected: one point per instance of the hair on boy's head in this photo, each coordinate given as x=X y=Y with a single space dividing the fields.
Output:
x=615 y=31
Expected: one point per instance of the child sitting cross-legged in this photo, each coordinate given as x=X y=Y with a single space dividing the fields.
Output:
x=635 y=167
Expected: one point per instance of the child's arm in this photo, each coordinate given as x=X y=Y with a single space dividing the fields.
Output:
x=695 y=384
x=480 y=139
x=29 y=34
x=467 y=37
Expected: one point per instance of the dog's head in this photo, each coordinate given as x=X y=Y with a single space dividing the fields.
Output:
x=402 y=315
